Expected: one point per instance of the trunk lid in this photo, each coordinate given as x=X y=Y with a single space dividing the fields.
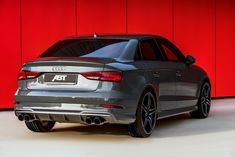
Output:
x=64 y=73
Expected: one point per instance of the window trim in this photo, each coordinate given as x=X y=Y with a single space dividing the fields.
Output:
x=138 y=51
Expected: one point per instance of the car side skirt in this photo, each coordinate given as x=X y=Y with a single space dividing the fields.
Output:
x=174 y=112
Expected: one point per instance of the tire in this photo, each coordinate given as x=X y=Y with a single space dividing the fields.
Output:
x=40 y=126
x=204 y=102
x=145 y=116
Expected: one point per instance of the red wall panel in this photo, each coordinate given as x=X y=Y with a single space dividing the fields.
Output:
x=225 y=48
x=203 y=28
x=10 y=50
x=101 y=16
x=194 y=32
x=44 y=22
x=150 y=17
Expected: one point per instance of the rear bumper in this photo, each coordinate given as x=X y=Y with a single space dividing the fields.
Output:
x=75 y=107
x=62 y=114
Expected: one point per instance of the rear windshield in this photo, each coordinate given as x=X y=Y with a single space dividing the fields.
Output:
x=103 y=48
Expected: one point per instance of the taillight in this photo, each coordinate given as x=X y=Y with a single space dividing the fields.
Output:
x=111 y=106
x=28 y=75
x=115 y=76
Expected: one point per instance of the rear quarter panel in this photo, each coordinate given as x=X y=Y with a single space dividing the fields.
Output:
x=135 y=80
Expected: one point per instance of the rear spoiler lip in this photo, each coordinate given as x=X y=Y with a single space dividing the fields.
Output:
x=91 y=59
x=76 y=63
x=73 y=61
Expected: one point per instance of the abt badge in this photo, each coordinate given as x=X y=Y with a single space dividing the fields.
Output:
x=59 y=78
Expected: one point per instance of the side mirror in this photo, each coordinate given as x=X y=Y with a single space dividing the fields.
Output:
x=190 y=60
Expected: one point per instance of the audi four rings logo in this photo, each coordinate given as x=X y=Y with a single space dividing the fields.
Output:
x=58 y=68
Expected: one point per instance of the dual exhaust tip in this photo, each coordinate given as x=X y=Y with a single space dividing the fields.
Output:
x=94 y=120
x=89 y=119
x=25 y=117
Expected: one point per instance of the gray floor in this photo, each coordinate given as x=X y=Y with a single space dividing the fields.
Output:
x=176 y=136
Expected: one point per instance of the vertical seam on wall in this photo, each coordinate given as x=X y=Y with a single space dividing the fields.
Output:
x=76 y=25
x=21 y=33
x=173 y=21
x=126 y=17
x=215 y=46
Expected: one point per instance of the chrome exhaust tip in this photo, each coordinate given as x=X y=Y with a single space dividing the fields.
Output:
x=26 y=117
x=88 y=120
x=20 y=117
x=97 y=120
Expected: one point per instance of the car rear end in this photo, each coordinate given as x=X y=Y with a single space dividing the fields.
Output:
x=74 y=82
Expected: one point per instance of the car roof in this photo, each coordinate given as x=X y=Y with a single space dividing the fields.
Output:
x=116 y=36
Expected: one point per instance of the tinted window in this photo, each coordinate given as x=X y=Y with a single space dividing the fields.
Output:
x=170 y=51
x=150 y=51
x=103 y=48
x=169 y=54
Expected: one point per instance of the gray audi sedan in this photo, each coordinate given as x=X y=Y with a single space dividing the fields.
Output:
x=116 y=79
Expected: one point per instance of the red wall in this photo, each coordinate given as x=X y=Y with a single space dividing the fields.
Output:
x=152 y=17
x=101 y=16
x=43 y=23
x=203 y=28
x=10 y=50
x=194 y=32
x=225 y=48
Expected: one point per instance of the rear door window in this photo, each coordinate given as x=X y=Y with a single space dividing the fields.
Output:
x=170 y=52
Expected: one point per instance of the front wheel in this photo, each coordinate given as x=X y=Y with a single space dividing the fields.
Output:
x=145 y=116
x=40 y=126
x=204 y=102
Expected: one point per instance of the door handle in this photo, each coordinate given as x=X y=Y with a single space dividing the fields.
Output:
x=178 y=74
x=156 y=74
